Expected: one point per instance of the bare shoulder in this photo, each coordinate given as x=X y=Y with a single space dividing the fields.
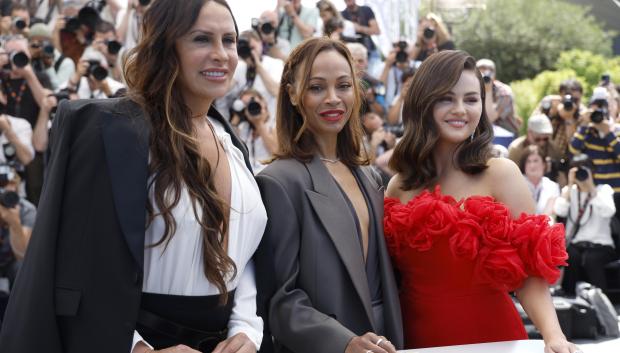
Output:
x=508 y=186
x=394 y=188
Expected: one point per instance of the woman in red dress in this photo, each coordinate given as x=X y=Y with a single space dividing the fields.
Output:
x=460 y=225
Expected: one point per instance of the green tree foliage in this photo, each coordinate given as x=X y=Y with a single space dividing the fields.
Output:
x=584 y=66
x=527 y=37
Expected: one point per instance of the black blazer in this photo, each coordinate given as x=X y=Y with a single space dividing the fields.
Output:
x=310 y=270
x=80 y=284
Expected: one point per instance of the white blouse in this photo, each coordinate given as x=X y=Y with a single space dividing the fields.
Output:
x=179 y=269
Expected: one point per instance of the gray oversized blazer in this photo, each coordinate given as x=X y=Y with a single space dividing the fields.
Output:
x=311 y=278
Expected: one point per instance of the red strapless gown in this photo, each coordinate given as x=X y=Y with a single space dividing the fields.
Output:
x=459 y=260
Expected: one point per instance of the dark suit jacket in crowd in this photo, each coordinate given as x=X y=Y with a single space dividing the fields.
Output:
x=79 y=288
x=309 y=262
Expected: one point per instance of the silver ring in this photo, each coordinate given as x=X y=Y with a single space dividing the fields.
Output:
x=379 y=341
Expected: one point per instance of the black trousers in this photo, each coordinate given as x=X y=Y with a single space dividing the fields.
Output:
x=586 y=262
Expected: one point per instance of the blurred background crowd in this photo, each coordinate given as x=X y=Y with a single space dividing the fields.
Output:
x=550 y=78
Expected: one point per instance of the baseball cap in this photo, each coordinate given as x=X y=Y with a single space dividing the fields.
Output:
x=599 y=93
x=539 y=124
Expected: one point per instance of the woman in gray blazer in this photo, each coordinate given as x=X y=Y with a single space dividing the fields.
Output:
x=325 y=282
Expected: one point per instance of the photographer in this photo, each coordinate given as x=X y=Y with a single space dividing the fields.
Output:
x=365 y=25
x=273 y=46
x=395 y=114
x=17 y=218
x=255 y=127
x=16 y=141
x=378 y=138
x=40 y=134
x=499 y=101
x=433 y=37
x=334 y=25
x=588 y=210
x=297 y=22
x=128 y=30
x=254 y=71
x=396 y=64
x=46 y=58
x=373 y=89
x=91 y=79
x=539 y=132
x=106 y=42
x=599 y=142
x=18 y=21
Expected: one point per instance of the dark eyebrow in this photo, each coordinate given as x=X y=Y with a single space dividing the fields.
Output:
x=200 y=31
x=323 y=79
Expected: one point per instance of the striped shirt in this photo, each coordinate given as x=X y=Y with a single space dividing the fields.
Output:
x=604 y=152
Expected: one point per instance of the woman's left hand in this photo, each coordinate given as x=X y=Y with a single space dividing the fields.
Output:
x=239 y=343
x=560 y=345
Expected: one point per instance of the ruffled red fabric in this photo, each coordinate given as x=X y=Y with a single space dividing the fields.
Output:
x=505 y=250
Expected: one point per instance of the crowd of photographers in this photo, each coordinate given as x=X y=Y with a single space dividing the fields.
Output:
x=53 y=50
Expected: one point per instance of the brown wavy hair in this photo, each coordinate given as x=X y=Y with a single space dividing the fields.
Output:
x=295 y=140
x=152 y=75
x=413 y=155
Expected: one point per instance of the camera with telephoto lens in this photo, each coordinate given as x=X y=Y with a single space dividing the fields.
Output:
x=88 y=16
x=600 y=113
x=254 y=108
x=584 y=166
x=114 y=46
x=568 y=102
x=401 y=54
x=19 y=23
x=18 y=59
x=429 y=32
x=243 y=48
x=96 y=70
x=487 y=78
x=8 y=199
x=265 y=28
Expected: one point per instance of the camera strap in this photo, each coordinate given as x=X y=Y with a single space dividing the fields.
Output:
x=580 y=212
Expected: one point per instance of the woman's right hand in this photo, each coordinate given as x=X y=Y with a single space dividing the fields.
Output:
x=368 y=343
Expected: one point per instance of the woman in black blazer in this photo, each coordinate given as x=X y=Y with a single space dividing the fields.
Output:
x=323 y=270
x=150 y=213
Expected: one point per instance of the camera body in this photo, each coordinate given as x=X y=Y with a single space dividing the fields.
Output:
x=568 y=102
x=600 y=113
x=114 y=47
x=262 y=28
x=244 y=50
x=401 y=52
x=8 y=199
x=19 y=23
x=254 y=108
x=96 y=70
x=429 y=32
x=584 y=167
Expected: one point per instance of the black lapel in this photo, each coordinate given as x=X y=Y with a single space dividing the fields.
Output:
x=213 y=113
x=126 y=142
x=329 y=204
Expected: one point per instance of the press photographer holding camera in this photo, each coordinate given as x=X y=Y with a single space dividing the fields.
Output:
x=433 y=36
x=396 y=64
x=106 y=42
x=599 y=141
x=266 y=27
x=250 y=115
x=46 y=58
x=40 y=134
x=15 y=20
x=588 y=209
x=500 y=106
x=91 y=79
x=128 y=30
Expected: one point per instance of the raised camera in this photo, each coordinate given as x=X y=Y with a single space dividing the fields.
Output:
x=267 y=28
x=96 y=70
x=254 y=108
x=19 y=59
x=582 y=173
x=429 y=33
x=487 y=78
x=243 y=48
x=19 y=23
x=114 y=47
x=568 y=102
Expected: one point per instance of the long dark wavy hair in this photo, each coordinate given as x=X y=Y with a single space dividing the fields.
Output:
x=295 y=140
x=152 y=74
x=413 y=155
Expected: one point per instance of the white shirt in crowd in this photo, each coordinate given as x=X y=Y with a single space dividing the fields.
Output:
x=542 y=193
x=84 y=91
x=179 y=269
x=595 y=223
x=65 y=70
x=257 y=150
x=23 y=130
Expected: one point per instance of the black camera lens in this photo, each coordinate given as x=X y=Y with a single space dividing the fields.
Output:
x=402 y=45
x=19 y=59
x=145 y=2
x=20 y=23
x=9 y=199
x=581 y=174
x=402 y=57
x=96 y=70
x=254 y=108
x=567 y=102
x=597 y=116
x=487 y=78
x=114 y=47
x=429 y=33
x=267 y=28
x=243 y=48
